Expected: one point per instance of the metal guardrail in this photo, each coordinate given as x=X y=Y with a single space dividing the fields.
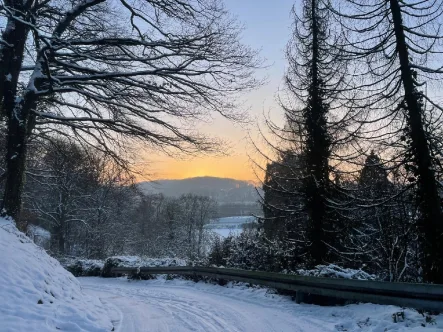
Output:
x=420 y=296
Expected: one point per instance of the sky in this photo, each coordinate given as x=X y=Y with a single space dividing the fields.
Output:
x=267 y=29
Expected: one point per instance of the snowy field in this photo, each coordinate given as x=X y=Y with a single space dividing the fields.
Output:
x=179 y=305
x=229 y=225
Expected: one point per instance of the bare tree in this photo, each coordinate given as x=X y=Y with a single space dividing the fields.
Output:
x=172 y=226
x=109 y=71
x=206 y=211
x=60 y=189
x=84 y=199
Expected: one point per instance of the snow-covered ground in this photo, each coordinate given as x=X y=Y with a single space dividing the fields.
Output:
x=179 y=305
x=39 y=235
x=225 y=232
x=137 y=261
x=37 y=294
x=229 y=225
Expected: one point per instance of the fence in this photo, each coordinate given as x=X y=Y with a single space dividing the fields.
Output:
x=420 y=296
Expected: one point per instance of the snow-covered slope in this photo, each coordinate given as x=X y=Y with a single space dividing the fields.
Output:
x=37 y=294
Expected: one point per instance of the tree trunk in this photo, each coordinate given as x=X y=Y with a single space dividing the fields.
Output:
x=58 y=239
x=61 y=241
x=199 y=242
x=317 y=153
x=19 y=128
x=431 y=220
x=11 y=57
x=11 y=60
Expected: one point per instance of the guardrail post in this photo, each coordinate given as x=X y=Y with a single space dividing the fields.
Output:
x=299 y=297
x=195 y=274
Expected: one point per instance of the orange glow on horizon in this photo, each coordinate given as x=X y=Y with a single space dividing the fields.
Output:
x=235 y=167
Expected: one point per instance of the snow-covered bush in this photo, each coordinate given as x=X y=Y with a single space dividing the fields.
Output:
x=251 y=250
x=38 y=294
x=82 y=267
x=334 y=271
x=39 y=235
x=136 y=261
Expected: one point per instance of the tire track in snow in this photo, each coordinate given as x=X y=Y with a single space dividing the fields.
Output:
x=153 y=307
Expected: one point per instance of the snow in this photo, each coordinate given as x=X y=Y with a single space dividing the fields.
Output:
x=86 y=263
x=89 y=264
x=181 y=305
x=37 y=294
x=39 y=235
x=334 y=271
x=137 y=261
x=237 y=220
x=82 y=267
x=39 y=231
x=227 y=226
x=225 y=232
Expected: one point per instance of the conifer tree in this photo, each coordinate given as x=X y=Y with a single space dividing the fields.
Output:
x=313 y=80
x=396 y=49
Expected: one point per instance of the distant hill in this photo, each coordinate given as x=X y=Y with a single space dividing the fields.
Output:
x=223 y=190
x=235 y=197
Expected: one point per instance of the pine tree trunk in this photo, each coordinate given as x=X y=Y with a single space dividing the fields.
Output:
x=430 y=204
x=317 y=152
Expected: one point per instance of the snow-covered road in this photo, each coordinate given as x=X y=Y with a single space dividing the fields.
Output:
x=178 y=305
